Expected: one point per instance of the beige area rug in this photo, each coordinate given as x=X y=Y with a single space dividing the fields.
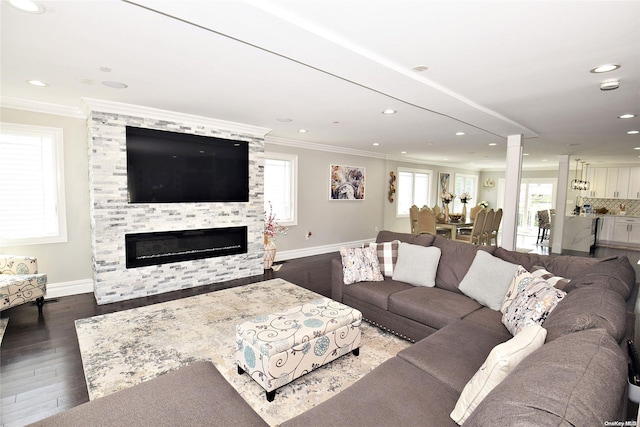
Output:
x=120 y=350
x=3 y=327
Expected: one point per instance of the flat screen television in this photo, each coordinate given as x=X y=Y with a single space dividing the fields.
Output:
x=172 y=167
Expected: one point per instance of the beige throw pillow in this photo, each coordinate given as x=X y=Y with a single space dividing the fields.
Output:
x=500 y=362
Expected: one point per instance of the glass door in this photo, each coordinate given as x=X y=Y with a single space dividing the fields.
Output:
x=535 y=194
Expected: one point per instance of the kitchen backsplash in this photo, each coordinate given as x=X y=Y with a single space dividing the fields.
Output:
x=613 y=205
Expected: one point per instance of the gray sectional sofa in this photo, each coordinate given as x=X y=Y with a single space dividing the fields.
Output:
x=578 y=377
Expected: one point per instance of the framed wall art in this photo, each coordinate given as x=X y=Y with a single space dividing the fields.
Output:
x=347 y=182
x=443 y=180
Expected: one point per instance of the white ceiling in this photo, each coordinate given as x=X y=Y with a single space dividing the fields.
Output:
x=496 y=68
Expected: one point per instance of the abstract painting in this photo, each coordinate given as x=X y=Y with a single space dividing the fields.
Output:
x=347 y=182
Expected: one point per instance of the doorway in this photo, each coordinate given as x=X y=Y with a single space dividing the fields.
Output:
x=535 y=194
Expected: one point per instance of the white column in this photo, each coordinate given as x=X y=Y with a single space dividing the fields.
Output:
x=513 y=173
x=561 y=204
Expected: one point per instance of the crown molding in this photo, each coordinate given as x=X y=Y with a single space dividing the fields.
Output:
x=321 y=147
x=41 y=107
x=100 y=105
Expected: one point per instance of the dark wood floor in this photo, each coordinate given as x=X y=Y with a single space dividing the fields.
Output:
x=40 y=366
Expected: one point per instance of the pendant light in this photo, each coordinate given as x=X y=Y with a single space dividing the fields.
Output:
x=575 y=184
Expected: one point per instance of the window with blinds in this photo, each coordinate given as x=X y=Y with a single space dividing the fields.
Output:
x=31 y=176
x=280 y=176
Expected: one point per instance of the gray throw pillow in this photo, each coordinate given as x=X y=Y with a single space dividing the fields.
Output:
x=417 y=265
x=488 y=279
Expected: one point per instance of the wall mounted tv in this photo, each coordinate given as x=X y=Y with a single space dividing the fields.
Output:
x=171 y=167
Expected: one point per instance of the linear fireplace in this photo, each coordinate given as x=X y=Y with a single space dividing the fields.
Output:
x=144 y=249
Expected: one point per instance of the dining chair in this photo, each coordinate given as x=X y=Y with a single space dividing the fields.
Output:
x=476 y=232
x=544 y=225
x=488 y=223
x=426 y=221
x=493 y=233
x=413 y=218
x=474 y=211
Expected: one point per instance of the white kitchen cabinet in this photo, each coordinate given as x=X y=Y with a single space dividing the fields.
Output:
x=617 y=183
x=627 y=230
x=606 y=225
x=634 y=183
x=597 y=178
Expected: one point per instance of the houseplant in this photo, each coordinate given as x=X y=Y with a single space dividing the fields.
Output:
x=271 y=230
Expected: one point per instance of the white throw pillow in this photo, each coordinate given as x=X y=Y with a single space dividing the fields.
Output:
x=500 y=362
x=417 y=265
x=520 y=280
x=488 y=279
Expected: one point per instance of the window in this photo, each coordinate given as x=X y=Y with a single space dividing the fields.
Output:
x=465 y=183
x=280 y=187
x=32 y=210
x=414 y=187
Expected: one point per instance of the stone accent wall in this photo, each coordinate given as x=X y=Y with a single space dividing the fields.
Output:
x=112 y=217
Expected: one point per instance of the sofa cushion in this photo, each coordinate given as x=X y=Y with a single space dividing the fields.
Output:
x=585 y=308
x=431 y=306
x=376 y=293
x=395 y=393
x=417 y=265
x=387 y=256
x=577 y=379
x=532 y=305
x=414 y=239
x=489 y=319
x=488 y=279
x=360 y=265
x=502 y=359
x=455 y=261
x=455 y=352
x=613 y=273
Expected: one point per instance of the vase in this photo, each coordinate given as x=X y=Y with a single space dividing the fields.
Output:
x=464 y=212
x=446 y=212
x=269 y=252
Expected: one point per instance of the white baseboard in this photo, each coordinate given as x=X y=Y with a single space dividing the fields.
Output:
x=63 y=289
x=318 y=250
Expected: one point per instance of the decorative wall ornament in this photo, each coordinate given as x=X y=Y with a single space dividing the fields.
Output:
x=347 y=183
x=392 y=186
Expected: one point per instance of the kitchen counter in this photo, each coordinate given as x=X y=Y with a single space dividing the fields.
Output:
x=579 y=233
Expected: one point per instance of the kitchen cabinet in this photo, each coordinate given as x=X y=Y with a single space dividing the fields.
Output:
x=627 y=230
x=605 y=233
x=597 y=178
x=617 y=183
x=634 y=183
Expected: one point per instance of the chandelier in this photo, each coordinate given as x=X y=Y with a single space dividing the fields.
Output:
x=580 y=184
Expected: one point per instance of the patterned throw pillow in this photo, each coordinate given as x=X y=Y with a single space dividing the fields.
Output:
x=360 y=265
x=387 y=255
x=557 y=281
x=532 y=305
x=521 y=278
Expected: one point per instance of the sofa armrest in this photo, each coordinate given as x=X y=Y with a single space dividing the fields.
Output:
x=337 y=279
x=18 y=264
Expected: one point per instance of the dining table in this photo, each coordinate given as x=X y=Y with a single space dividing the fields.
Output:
x=453 y=227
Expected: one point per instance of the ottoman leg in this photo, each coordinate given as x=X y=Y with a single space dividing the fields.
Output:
x=240 y=370
x=40 y=303
x=356 y=352
x=271 y=395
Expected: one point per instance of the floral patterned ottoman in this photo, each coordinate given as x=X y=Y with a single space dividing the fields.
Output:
x=276 y=349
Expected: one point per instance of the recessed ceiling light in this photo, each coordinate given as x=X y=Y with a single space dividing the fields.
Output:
x=27 y=6
x=636 y=148
x=574 y=144
x=545 y=160
x=376 y=144
x=389 y=111
x=336 y=122
x=627 y=116
x=403 y=152
x=303 y=131
x=525 y=154
x=633 y=132
x=604 y=68
x=459 y=133
x=610 y=84
x=493 y=144
x=420 y=68
x=115 y=85
x=38 y=83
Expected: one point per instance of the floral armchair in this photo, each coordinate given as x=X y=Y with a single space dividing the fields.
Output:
x=20 y=281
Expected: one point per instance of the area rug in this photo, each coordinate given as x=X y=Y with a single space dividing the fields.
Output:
x=122 y=349
x=3 y=327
